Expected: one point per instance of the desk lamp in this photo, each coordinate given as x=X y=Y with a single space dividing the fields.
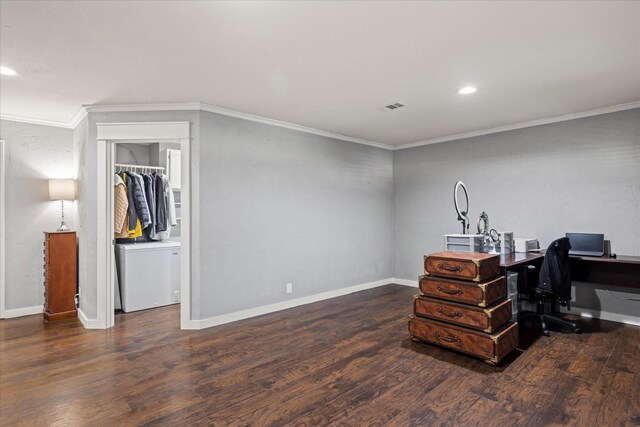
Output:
x=62 y=189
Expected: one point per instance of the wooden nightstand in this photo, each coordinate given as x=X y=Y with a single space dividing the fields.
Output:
x=59 y=275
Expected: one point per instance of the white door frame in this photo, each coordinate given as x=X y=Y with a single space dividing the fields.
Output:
x=108 y=134
x=2 y=232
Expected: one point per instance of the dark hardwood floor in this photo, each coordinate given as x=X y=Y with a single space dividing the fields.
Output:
x=346 y=361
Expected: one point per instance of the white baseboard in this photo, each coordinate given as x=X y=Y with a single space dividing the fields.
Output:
x=603 y=315
x=270 y=308
x=88 y=323
x=405 y=282
x=26 y=311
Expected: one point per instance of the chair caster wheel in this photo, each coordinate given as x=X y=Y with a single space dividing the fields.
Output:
x=546 y=333
x=415 y=339
x=577 y=330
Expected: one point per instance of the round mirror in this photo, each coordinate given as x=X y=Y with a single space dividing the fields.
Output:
x=462 y=213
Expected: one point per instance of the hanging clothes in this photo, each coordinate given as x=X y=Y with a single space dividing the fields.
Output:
x=161 y=204
x=139 y=198
x=150 y=193
x=121 y=205
x=165 y=204
x=134 y=227
x=143 y=202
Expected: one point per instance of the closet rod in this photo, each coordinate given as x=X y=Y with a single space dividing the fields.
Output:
x=122 y=165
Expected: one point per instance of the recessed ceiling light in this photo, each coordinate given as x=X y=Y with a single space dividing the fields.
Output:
x=467 y=90
x=7 y=71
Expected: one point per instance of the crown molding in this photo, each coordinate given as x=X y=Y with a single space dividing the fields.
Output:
x=78 y=117
x=35 y=121
x=195 y=106
x=538 y=122
x=116 y=108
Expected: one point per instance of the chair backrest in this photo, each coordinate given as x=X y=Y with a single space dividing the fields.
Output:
x=555 y=273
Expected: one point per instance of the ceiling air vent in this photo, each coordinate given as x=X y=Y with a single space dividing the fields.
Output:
x=394 y=106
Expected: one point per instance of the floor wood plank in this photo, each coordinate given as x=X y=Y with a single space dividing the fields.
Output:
x=347 y=361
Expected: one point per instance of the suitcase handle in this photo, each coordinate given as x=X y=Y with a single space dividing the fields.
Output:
x=450 y=291
x=454 y=314
x=455 y=268
x=447 y=338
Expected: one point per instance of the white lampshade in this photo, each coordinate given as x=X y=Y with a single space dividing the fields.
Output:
x=62 y=189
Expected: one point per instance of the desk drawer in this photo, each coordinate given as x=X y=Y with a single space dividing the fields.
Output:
x=481 y=294
x=484 y=319
x=462 y=265
x=490 y=347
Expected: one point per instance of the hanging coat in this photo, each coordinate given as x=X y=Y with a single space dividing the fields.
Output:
x=170 y=208
x=121 y=204
x=150 y=193
x=161 y=204
x=139 y=198
x=133 y=226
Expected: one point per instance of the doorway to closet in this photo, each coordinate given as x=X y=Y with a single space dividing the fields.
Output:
x=147 y=179
x=145 y=257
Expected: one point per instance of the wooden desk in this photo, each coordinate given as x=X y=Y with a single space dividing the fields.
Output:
x=624 y=270
x=516 y=258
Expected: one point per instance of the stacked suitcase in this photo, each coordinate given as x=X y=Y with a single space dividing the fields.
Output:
x=463 y=306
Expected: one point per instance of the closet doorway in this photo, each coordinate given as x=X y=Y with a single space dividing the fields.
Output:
x=146 y=152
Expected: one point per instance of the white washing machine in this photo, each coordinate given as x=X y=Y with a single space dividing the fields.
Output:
x=149 y=274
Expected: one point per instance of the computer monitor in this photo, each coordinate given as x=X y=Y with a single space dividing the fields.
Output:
x=586 y=244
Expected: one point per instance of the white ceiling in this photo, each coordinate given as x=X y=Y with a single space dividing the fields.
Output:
x=325 y=65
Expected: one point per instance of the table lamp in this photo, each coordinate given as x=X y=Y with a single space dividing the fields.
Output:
x=62 y=189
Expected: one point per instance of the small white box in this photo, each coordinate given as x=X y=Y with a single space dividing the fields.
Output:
x=526 y=244
x=464 y=242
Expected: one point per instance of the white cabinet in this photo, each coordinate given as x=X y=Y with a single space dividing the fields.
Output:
x=172 y=161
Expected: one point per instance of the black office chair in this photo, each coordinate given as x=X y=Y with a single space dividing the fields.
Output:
x=549 y=285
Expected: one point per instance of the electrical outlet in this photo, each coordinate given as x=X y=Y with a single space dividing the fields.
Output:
x=289 y=288
x=176 y=296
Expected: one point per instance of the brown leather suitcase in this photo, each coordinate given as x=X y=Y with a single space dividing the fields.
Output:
x=462 y=265
x=487 y=319
x=481 y=294
x=490 y=347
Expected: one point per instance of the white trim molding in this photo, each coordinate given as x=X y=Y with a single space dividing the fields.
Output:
x=197 y=106
x=283 y=305
x=88 y=323
x=521 y=125
x=2 y=233
x=405 y=282
x=107 y=135
x=78 y=117
x=35 y=121
x=26 y=311
x=143 y=131
x=230 y=113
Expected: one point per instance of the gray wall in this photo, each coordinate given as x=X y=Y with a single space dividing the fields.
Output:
x=280 y=206
x=277 y=206
x=86 y=210
x=134 y=154
x=34 y=154
x=580 y=175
